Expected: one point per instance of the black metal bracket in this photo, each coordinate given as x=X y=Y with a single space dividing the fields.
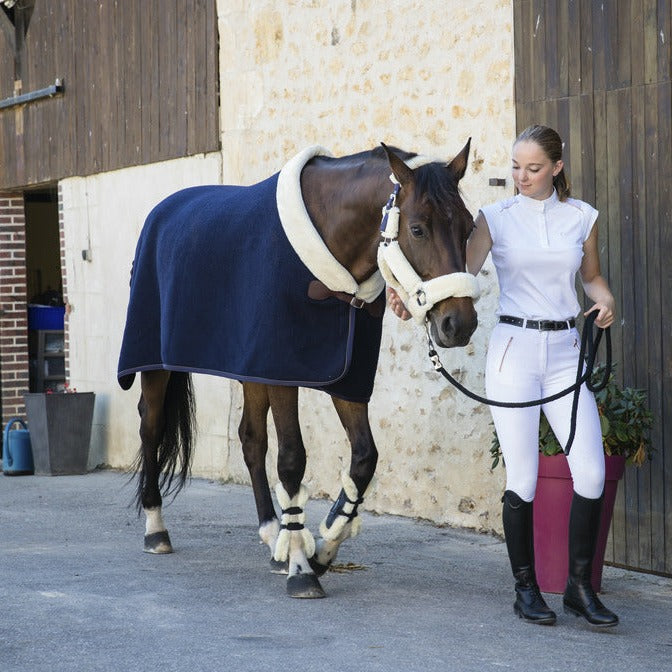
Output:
x=48 y=92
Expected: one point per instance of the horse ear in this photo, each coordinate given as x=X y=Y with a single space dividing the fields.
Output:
x=458 y=166
x=400 y=170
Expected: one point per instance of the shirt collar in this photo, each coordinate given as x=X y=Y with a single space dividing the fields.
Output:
x=536 y=204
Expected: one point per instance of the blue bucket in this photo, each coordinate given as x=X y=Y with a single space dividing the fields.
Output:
x=17 y=454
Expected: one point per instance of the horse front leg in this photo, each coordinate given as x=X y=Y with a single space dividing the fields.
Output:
x=295 y=543
x=343 y=521
x=152 y=427
x=253 y=435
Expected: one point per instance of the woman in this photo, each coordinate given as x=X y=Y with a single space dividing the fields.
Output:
x=539 y=240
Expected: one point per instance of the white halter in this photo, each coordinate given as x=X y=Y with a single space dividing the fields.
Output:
x=418 y=296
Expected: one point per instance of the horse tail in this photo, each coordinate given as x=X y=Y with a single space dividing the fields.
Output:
x=176 y=447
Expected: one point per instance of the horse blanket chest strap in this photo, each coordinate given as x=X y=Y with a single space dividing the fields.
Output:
x=318 y=291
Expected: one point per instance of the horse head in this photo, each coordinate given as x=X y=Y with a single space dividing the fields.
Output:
x=424 y=255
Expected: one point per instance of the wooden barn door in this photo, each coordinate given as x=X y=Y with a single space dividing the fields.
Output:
x=599 y=72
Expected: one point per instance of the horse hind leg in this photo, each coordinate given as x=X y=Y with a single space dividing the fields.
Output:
x=152 y=426
x=295 y=544
x=166 y=420
x=253 y=435
x=343 y=521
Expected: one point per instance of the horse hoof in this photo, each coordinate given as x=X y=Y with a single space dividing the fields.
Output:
x=317 y=566
x=158 y=543
x=279 y=566
x=305 y=586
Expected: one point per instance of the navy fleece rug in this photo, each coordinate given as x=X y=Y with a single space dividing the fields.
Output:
x=217 y=288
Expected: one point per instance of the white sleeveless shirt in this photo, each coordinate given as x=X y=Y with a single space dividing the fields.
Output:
x=537 y=248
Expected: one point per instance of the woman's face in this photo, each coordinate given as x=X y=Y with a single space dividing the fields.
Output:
x=532 y=170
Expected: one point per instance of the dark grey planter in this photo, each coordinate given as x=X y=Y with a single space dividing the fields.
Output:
x=60 y=431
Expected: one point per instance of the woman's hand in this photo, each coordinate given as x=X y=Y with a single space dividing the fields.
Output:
x=396 y=304
x=605 y=316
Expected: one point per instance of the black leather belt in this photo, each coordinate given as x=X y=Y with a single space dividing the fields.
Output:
x=539 y=325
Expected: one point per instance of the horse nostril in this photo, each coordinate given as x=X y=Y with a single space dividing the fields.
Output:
x=448 y=326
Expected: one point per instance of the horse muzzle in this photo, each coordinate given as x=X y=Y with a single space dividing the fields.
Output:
x=453 y=321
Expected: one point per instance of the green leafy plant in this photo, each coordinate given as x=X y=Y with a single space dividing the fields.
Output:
x=625 y=420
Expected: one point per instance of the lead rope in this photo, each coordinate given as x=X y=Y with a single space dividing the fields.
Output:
x=590 y=344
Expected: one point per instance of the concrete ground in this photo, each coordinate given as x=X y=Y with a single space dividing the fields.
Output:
x=78 y=593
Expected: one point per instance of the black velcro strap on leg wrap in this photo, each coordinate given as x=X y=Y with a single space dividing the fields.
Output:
x=337 y=508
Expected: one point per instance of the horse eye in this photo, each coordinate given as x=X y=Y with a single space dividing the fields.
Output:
x=417 y=231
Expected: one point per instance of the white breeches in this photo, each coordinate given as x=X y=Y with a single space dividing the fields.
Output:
x=524 y=364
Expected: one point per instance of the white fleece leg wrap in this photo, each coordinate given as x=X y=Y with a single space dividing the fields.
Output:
x=339 y=525
x=292 y=523
x=268 y=533
x=154 y=521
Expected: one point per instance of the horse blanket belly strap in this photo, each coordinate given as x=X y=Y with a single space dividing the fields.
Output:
x=217 y=288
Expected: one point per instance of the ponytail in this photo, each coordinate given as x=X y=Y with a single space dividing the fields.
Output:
x=562 y=186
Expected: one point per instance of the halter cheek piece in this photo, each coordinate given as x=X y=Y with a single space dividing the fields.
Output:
x=418 y=296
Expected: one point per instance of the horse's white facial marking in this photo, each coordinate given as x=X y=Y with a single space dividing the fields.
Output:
x=154 y=521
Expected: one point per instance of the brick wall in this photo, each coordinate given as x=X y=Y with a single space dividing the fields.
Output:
x=13 y=312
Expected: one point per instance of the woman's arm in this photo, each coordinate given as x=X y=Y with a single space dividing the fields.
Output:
x=594 y=285
x=478 y=245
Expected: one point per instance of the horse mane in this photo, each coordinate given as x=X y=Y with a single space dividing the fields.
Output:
x=433 y=179
x=377 y=153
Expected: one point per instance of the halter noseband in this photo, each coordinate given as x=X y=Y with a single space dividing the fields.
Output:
x=418 y=296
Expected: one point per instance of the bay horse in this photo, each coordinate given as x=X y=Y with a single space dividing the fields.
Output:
x=173 y=329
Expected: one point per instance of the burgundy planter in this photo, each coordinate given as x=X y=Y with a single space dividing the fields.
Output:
x=551 y=520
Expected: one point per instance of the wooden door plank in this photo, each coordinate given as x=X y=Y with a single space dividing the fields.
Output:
x=623 y=255
x=538 y=56
x=606 y=201
x=522 y=50
x=554 y=55
x=649 y=12
x=599 y=46
x=654 y=299
x=640 y=327
x=573 y=45
x=587 y=49
x=574 y=142
x=133 y=93
x=637 y=42
x=664 y=35
x=622 y=48
x=664 y=219
x=212 y=69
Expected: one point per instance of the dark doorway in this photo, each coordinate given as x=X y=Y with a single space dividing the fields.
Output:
x=43 y=250
x=44 y=290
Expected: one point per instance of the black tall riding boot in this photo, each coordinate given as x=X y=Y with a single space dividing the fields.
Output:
x=518 y=531
x=580 y=598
